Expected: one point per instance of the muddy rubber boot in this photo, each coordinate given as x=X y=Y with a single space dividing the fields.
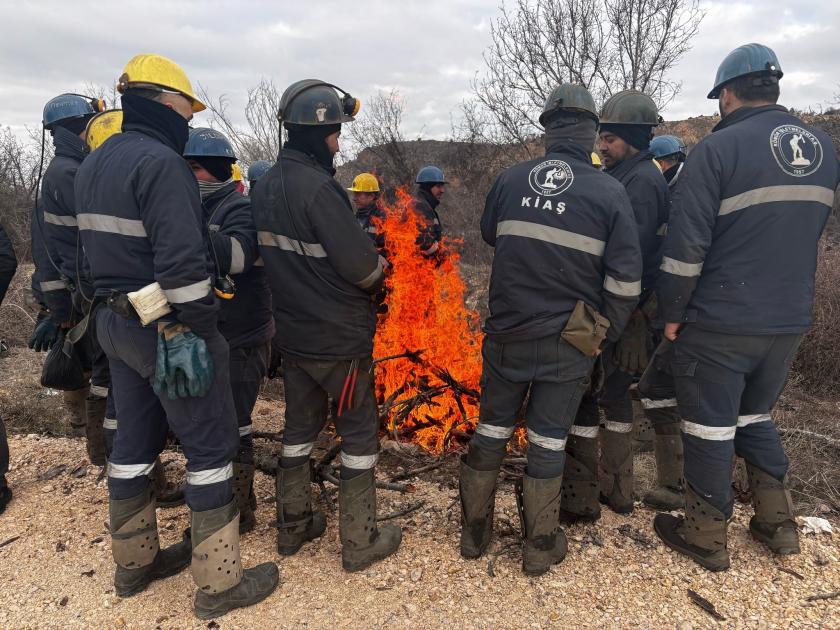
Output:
x=296 y=522
x=243 y=489
x=362 y=542
x=75 y=401
x=94 y=431
x=701 y=535
x=668 y=446
x=217 y=569
x=579 y=498
x=477 y=489
x=774 y=523
x=545 y=540
x=135 y=545
x=167 y=493
x=617 y=471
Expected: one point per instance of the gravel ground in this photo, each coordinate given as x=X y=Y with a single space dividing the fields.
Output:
x=56 y=568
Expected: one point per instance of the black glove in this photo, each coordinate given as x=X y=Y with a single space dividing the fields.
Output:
x=275 y=362
x=45 y=334
x=631 y=350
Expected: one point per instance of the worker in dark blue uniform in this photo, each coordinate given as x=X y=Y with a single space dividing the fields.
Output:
x=566 y=277
x=627 y=121
x=245 y=318
x=255 y=171
x=736 y=291
x=669 y=152
x=141 y=224
x=369 y=211
x=431 y=186
x=323 y=271
x=8 y=266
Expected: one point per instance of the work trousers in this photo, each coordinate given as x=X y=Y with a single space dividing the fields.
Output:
x=308 y=383
x=656 y=387
x=4 y=453
x=613 y=397
x=552 y=376
x=100 y=377
x=206 y=426
x=726 y=386
x=248 y=367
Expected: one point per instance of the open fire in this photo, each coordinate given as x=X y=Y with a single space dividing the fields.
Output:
x=428 y=343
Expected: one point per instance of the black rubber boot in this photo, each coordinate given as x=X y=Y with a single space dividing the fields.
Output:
x=774 y=523
x=579 y=498
x=74 y=400
x=296 y=522
x=701 y=535
x=668 y=446
x=243 y=490
x=5 y=497
x=477 y=489
x=362 y=542
x=167 y=493
x=135 y=545
x=545 y=540
x=94 y=431
x=617 y=470
x=216 y=566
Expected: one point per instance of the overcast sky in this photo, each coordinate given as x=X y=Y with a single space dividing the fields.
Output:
x=429 y=50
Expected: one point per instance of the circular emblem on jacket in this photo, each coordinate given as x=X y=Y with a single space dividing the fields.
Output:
x=551 y=177
x=798 y=152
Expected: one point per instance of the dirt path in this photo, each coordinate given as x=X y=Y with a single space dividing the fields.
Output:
x=57 y=573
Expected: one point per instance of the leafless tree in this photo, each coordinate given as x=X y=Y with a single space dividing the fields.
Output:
x=259 y=138
x=606 y=45
x=19 y=163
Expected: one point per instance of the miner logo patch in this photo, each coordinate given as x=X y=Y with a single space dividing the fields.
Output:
x=798 y=152
x=551 y=177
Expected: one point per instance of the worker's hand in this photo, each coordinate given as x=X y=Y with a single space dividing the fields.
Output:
x=671 y=331
x=184 y=367
x=631 y=350
x=45 y=334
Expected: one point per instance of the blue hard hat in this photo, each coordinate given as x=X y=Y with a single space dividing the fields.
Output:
x=430 y=175
x=206 y=142
x=66 y=106
x=663 y=146
x=258 y=169
x=746 y=60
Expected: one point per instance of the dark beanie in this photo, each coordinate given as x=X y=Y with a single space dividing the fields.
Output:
x=638 y=136
x=218 y=167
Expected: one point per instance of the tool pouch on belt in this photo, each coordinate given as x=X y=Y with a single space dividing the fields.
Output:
x=586 y=329
x=62 y=368
x=150 y=303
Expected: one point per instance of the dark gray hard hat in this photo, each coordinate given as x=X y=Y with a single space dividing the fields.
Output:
x=630 y=107
x=315 y=102
x=569 y=97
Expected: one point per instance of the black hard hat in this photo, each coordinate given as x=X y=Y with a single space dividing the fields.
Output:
x=569 y=97
x=315 y=102
x=630 y=107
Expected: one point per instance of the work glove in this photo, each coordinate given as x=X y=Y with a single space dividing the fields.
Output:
x=45 y=334
x=275 y=362
x=184 y=367
x=631 y=350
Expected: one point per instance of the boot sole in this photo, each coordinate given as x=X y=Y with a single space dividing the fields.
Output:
x=156 y=575
x=215 y=613
x=618 y=509
x=570 y=518
x=352 y=567
x=781 y=551
x=685 y=548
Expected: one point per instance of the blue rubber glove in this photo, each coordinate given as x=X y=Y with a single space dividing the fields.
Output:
x=184 y=367
x=45 y=334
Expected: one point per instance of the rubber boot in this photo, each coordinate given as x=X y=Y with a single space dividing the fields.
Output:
x=701 y=535
x=617 y=471
x=94 y=431
x=168 y=494
x=243 y=490
x=75 y=400
x=362 y=542
x=668 y=446
x=477 y=489
x=579 y=498
x=296 y=522
x=545 y=540
x=774 y=523
x=222 y=583
x=135 y=545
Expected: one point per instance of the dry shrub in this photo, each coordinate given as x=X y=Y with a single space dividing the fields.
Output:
x=16 y=318
x=817 y=366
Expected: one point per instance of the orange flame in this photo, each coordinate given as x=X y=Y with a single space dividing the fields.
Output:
x=426 y=313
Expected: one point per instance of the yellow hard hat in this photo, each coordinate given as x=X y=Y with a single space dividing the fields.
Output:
x=103 y=126
x=365 y=182
x=596 y=159
x=158 y=71
x=237 y=172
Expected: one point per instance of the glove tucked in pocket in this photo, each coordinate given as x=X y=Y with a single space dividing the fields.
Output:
x=586 y=329
x=183 y=366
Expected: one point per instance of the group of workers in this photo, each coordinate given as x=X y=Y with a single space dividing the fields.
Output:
x=692 y=273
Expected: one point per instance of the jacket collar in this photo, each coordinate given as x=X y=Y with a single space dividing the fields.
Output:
x=305 y=158
x=428 y=197
x=622 y=169
x=742 y=113
x=571 y=149
x=68 y=144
